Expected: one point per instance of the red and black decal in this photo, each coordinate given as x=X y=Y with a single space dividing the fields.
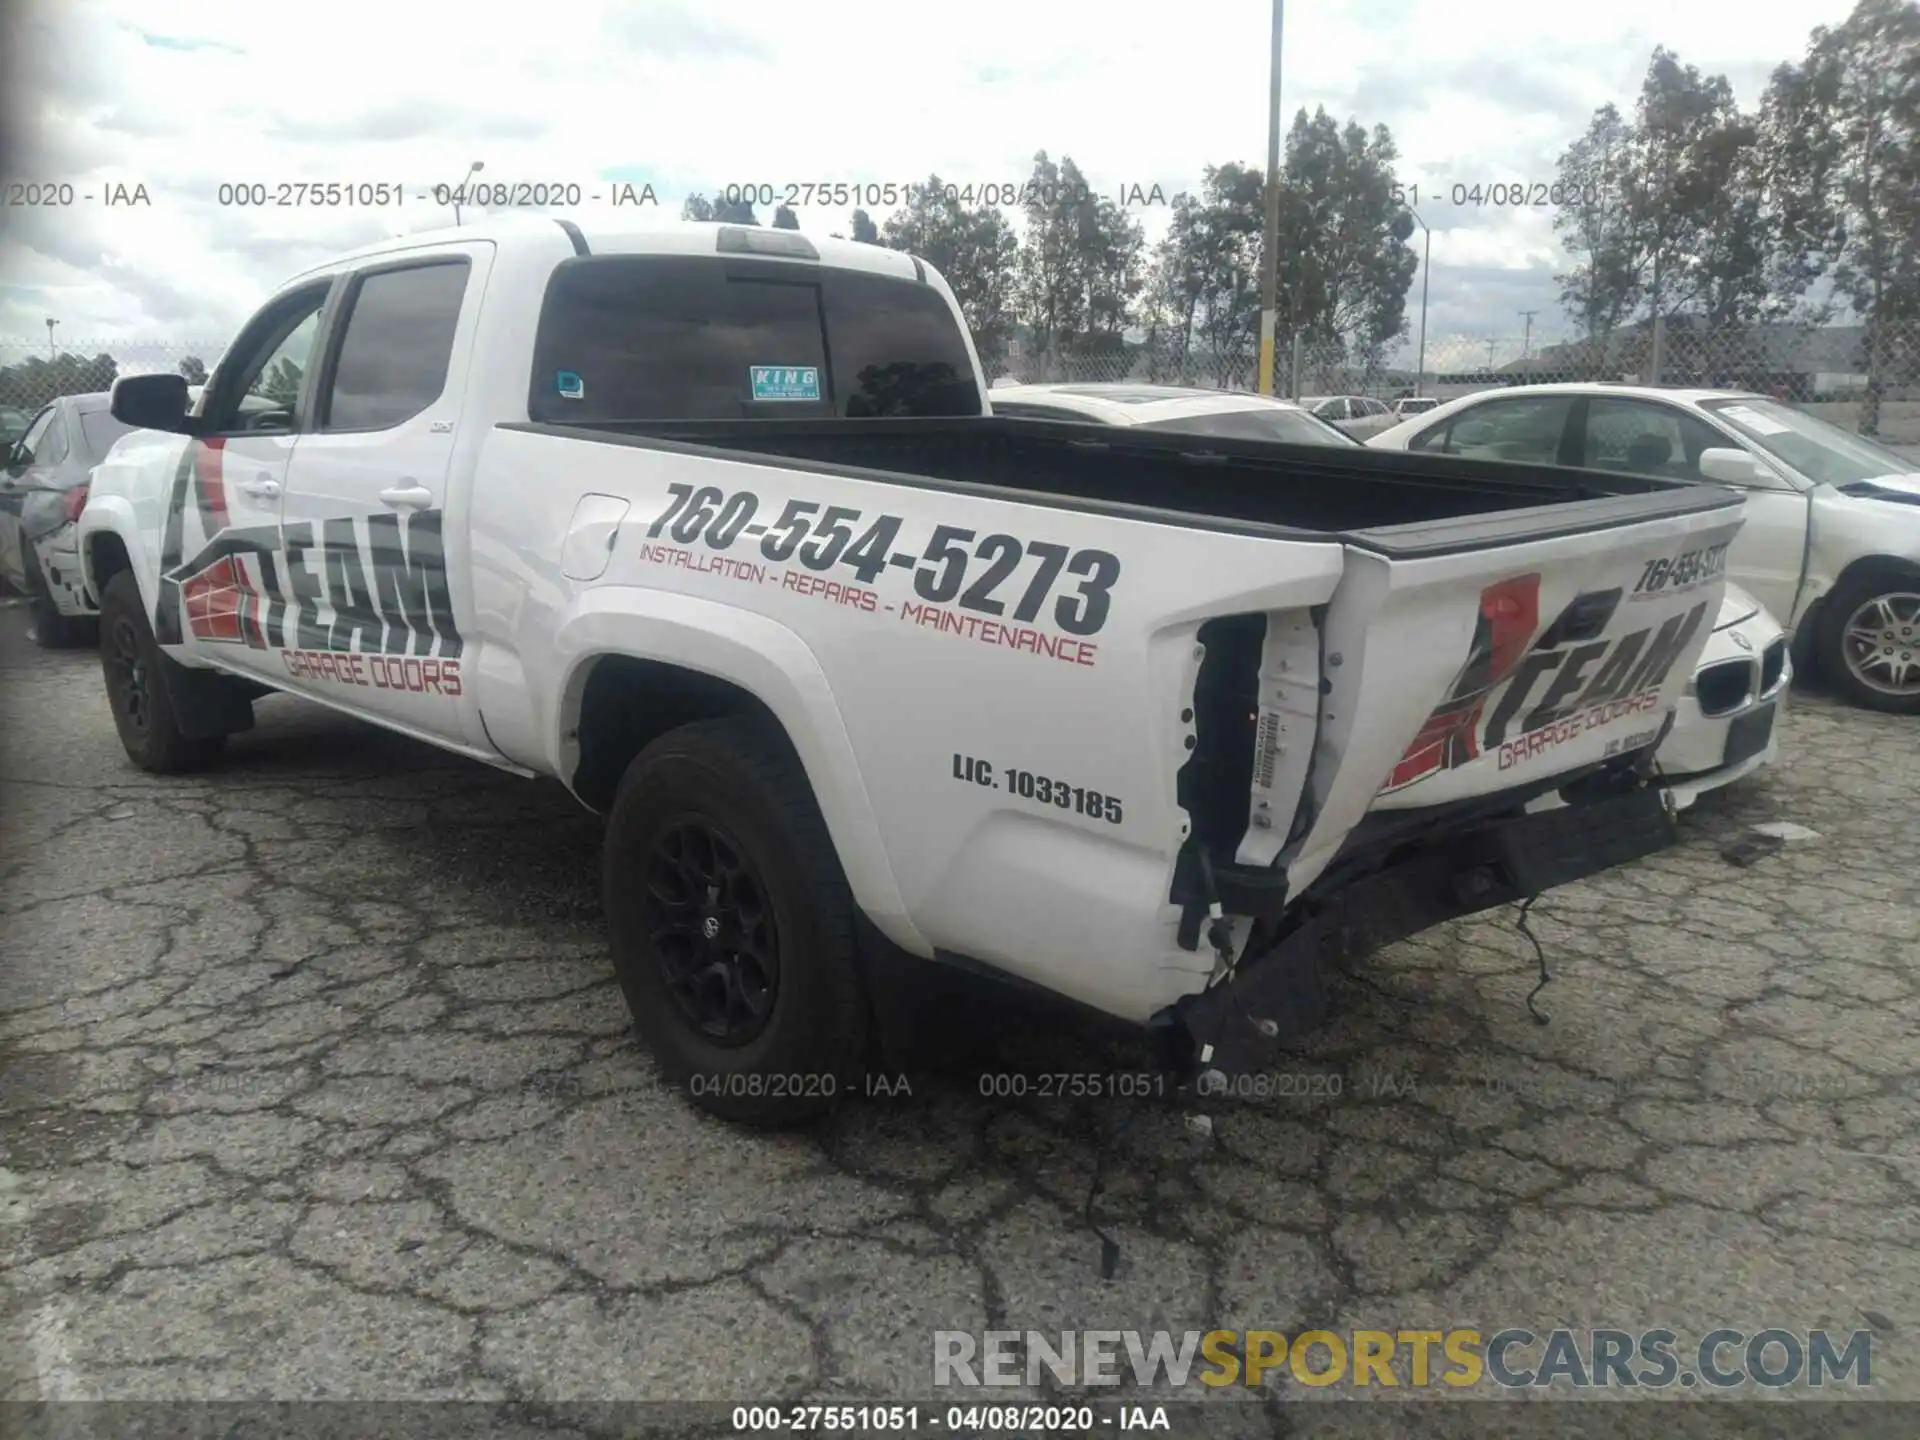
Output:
x=1586 y=671
x=210 y=483
x=200 y=470
x=367 y=584
x=221 y=604
x=1509 y=614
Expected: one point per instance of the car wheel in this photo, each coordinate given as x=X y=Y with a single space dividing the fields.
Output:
x=1869 y=640
x=136 y=678
x=733 y=925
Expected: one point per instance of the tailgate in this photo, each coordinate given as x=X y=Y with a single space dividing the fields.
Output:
x=1496 y=652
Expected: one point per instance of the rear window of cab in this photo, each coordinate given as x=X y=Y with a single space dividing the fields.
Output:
x=651 y=337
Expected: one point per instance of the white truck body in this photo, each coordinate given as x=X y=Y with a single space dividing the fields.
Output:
x=1029 y=671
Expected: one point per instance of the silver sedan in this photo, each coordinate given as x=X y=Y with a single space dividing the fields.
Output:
x=41 y=495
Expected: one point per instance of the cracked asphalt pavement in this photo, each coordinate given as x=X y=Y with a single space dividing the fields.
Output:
x=315 y=1082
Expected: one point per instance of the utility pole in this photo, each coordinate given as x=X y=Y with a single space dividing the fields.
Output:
x=1426 y=273
x=1270 y=285
x=472 y=170
x=1491 y=342
x=1526 y=345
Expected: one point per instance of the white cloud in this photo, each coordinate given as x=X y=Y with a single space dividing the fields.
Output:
x=694 y=96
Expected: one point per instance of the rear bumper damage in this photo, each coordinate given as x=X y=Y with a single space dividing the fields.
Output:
x=1279 y=988
x=59 y=559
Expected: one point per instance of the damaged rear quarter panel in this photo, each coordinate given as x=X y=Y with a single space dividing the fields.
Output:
x=1848 y=528
x=1408 y=627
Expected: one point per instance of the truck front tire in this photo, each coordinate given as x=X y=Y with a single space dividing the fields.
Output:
x=733 y=925
x=139 y=679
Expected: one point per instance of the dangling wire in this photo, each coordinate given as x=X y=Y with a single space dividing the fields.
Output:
x=1109 y=1247
x=1539 y=954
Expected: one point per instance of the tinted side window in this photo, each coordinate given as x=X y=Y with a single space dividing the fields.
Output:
x=54 y=448
x=30 y=443
x=1645 y=439
x=100 y=430
x=392 y=360
x=1526 y=428
x=681 y=338
x=257 y=383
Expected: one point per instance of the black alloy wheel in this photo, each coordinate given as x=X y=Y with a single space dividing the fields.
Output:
x=733 y=925
x=712 y=924
x=141 y=692
x=127 y=678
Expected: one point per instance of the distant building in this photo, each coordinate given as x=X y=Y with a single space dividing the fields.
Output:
x=1793 y=362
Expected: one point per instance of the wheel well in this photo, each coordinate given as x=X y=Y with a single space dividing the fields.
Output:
x=1866 y=564
x=628 y=703
x=1809 y=626
x=106 y=557
x=1892 y=563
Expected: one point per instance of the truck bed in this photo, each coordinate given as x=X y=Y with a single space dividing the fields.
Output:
x=1389 y=501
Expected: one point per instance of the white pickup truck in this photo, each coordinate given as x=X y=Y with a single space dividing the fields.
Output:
x=714 y=524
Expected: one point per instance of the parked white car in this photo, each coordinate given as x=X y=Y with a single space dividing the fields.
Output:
x=1832 y=539
x=1360 y=416
x=1408 y=406
x=1227 y=414
x=1723 y=728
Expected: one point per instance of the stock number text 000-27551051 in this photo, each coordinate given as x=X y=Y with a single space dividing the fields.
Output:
x=822 y=537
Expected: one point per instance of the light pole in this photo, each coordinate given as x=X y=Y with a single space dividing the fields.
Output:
x=1270 y=286
x=52 y=354
x=1426 y=272
x=472 y=170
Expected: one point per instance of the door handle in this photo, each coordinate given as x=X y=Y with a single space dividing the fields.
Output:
x=407 y=497
x=265 y=487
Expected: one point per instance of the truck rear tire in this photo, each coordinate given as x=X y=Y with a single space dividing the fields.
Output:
x=138 y=683
x=733 y=925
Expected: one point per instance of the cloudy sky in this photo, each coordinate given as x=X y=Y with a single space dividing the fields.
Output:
x=690 y=95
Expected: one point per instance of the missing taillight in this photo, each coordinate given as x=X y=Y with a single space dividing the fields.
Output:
x=73 y=502
x=1213 y=783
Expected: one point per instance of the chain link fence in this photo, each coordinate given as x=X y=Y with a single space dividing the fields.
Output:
x=32 y=374
x=1859 y=378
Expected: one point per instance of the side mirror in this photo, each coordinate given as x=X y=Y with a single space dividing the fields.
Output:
x=1731 y=467
x=151 y=402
